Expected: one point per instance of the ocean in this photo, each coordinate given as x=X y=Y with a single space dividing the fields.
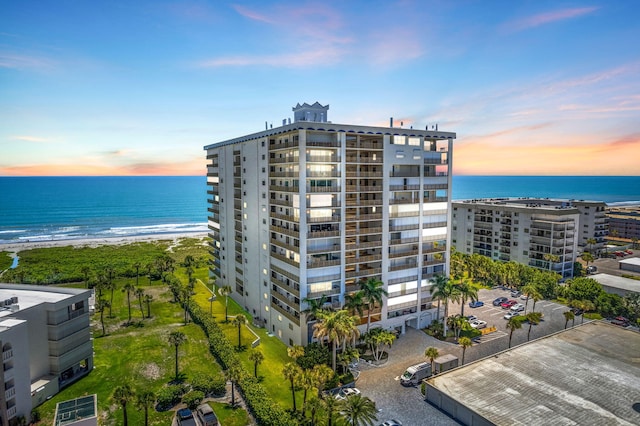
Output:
x=61 y=208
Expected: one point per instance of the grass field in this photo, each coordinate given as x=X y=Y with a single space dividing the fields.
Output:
x=138 y=352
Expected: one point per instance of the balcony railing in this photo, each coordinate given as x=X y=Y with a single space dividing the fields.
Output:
x=291 y=315
x=322 y=263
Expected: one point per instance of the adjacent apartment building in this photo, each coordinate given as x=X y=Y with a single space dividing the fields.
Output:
x=311 y=208
x=543 y=233
x=46 y=344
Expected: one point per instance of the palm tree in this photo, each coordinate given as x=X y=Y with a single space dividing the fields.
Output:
x=322 y=373
x=85 y=270
x=374 y=291
x=148 y=299
x=585 y=305
x=137 y=266
x=128 y=288
x=149 y=267
x=295 y=351
x=513 y=324
x=591 y=241
x=432 y=353
x=176 y=338
x=101 y=305
x=448 y=292
x=256 y=357
x=534 y=318
x=291 y=371
x=111 y=286
x=437 y=291
x=568 y=316
x=122 y=395
x=532 y=292
x=145 y=400
x=185 y=294
x=140 y=294
x=587 y=257
x=335 y=326
x=467 y=292
x=354 y=302
x=330 y=406
x=233 y=374
x=465 y=342
x=225 y=291
x=239 y=321
x=306 y=381
x=314 y=306
x=358 y=410
x=551 y=259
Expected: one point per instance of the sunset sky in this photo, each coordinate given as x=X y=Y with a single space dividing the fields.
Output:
x=139 y=87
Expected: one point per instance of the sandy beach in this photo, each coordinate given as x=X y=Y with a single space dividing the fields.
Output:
x=15 y=247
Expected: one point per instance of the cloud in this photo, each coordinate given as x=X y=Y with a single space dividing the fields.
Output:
x=546 y=18
x=23 y=62
x=324 y=56
x=26 y=138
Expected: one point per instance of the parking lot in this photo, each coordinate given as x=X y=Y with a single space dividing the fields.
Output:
x=406 y=404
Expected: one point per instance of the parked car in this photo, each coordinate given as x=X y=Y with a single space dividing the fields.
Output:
x=518 y=307
x=508 y=304
x=206 y=415
x=345 y=392
x=476 y=304
x=499 y=301
x=478 y=324
x=577 y=312
x=524 y=297
x=471 y=318
x=592 y=269
x=511 y=314
x=621 y=321
x=391 y=423
x=185 y=418
x=515 y=293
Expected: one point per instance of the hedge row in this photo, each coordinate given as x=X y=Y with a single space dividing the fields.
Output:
x=266 y=411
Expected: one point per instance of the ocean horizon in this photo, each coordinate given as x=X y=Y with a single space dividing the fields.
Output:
x=78 y=207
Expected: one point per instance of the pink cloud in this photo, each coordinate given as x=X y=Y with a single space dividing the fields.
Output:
x=546 y=18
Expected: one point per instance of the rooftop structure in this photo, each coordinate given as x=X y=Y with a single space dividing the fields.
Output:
x=77 y=412
x=46 y=344
x=585 y=375
x=309 y=209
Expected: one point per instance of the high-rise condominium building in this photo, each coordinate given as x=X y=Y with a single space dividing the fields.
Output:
x=311 y=208
x=541 y=233
x=46 y=345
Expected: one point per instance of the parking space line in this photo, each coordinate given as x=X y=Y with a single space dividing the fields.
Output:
x=559 y=307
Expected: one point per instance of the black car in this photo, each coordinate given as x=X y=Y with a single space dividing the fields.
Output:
x=577 y=312
x=185 y=418
x=499 y=300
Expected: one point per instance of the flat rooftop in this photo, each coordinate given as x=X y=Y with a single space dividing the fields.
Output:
x=32 y=295
x=586 y=375
x=75 y=410
x=615 y=281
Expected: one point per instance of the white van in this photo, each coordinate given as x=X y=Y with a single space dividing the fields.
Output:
x=414 y=374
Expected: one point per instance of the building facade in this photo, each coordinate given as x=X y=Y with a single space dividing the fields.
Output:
x=535 y=234
x=624 y=223
x=46 y=344
x=309 y=209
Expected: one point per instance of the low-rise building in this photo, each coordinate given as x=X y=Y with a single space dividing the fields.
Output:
x=46 y=344
x=624 y=222
x=617 y=285
x=587 y=375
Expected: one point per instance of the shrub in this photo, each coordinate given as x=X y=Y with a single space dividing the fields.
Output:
x=209 y=384
x=169 y=396
x=193 y=399
x=314 y=354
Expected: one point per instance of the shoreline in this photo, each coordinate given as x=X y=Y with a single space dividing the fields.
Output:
x=15 y=247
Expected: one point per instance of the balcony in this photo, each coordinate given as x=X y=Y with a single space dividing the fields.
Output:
x=364 y=174
x=285 y=174
x=363 y=272
x=358 y=217
x=285 y=259
x=361 y=245
x=323 y=189
x=404 y=187
x=365 y=145
x=324 y=144
x=322 y=158
x=292 y=316
x=286 y=300
x=284 y=188
x=404 y=241
x=285 y=231
x=362 y=188
x=283 y=144
x=9 y=393
x=396 y=255
x=363 y=259
x=7 y=355
x=316 y=263
x=317 y=174
x=332 y=218
x=402 y=280
x=364 y=231
x=354 y=202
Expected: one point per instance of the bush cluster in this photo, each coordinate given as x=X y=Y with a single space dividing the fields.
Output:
x=265 y=410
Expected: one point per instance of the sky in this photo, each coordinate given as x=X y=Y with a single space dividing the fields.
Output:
x=140 y=87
